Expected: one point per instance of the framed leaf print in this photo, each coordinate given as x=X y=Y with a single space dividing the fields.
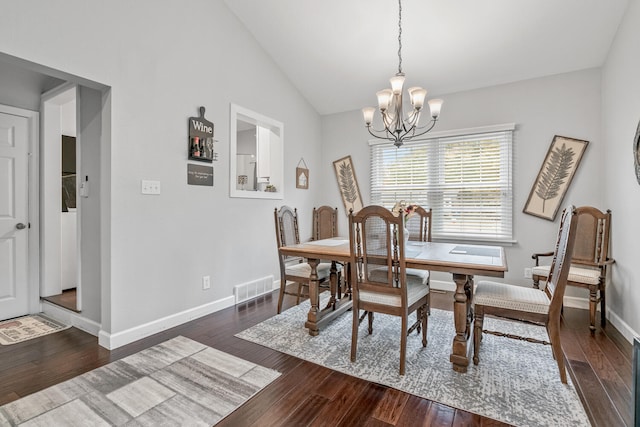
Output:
x=345 y=174
x=555 y=176
x=636 y=153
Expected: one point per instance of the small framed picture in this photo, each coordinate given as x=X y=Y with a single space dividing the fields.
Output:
x=302 y=178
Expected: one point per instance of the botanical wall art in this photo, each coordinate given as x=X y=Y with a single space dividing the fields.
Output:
x=636 y=152
x=345 y=174
x=555 y=176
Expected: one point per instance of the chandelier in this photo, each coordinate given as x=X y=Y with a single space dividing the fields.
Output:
x=398 y=128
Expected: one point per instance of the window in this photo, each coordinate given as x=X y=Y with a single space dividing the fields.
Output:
x=465 y=177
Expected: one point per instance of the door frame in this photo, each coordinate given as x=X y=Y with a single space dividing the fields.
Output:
x=33 y=212
x=50 y=203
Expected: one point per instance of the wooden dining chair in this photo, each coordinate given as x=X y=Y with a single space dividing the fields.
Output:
x=529 y=304
x=589 y=262
x=293 y=269
x=325 y=226
x=325 y=223
x=419 y=225
x=381 y=282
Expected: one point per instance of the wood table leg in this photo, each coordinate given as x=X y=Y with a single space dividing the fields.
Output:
x=314 y=298
x=333 y=281
x=461 y=304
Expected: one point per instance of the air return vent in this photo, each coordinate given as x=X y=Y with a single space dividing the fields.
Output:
x=249 y=290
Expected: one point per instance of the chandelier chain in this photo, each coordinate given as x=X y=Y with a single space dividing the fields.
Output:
x=399 y=36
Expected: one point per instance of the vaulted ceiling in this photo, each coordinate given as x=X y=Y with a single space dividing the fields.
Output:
x=338 y=53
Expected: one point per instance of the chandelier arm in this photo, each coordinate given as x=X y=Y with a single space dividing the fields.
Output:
x=387 y=121
x=412 y=120
x=415 y=135
x=430 y=124
x=388 y=138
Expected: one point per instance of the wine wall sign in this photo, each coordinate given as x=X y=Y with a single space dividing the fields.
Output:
x=201 y=142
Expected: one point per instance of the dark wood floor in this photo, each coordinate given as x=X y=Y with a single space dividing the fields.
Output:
x=67 y=299
x=308 y=394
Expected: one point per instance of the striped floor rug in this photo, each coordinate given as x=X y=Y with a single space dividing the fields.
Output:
x=180 y=382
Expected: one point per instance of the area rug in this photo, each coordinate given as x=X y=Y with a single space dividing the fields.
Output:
x=180 y=382
x=516 y=382
x=27 y=327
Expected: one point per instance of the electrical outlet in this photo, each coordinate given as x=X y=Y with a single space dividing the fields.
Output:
x=150 y=187
x=527 y=273
x=206 y=282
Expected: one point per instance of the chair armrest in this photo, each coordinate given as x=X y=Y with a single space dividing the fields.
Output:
x=539 y=255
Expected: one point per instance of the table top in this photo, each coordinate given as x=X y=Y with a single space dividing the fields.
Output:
x=458 y=258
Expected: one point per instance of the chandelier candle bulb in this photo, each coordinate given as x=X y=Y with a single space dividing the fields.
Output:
x=435 y=105
x=384 y=98
x=397 y=82
x=417 y=96
x=368 y=113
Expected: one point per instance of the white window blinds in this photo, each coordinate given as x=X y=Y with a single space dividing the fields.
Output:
x=465 y=179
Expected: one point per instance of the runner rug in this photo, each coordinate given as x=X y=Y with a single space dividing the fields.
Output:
x=516 y=382
x=25 y=328
x=179 y=382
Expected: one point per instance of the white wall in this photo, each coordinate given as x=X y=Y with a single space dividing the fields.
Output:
x=621 y=113
x=565 y=104
x=90 y=127
x=162 y=64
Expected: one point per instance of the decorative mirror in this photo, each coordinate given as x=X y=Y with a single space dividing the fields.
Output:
x=255 y=155
x=636 y=153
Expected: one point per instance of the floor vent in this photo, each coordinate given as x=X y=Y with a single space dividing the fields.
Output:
x=249 y=290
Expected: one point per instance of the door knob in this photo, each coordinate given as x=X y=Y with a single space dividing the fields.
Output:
x=20 y=226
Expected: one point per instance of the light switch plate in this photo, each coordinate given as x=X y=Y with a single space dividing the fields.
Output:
x=150 y=187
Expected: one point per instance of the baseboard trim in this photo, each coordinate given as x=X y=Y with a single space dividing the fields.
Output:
x=69 y=317
x=626 y=330
x=112 y=341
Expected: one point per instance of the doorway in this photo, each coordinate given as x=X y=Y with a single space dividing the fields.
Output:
x=61 y=214
x=41 y=91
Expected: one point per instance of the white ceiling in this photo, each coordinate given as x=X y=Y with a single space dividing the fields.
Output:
x=338 y=53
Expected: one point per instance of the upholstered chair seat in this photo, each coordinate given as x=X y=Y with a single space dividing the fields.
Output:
x=417 y=288
x=304 y=270
x=588 y=276
x=500 y=295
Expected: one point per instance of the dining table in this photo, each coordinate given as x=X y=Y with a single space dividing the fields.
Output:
x=462 y=260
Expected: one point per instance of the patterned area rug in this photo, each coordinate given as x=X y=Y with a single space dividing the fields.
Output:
x=516 y=382
x=25 y=328
x=177 y=383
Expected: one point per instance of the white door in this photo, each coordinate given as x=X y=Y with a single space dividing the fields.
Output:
x=14 y=230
